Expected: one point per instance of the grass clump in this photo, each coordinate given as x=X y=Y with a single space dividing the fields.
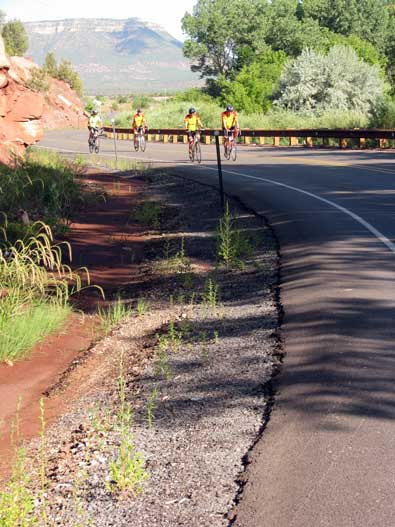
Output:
x=35 y=288
x=147 y=213
x=113 y=314
x=45 y=187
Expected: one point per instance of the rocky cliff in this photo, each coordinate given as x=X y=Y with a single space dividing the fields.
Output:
x=25 y=112
x=20 y=111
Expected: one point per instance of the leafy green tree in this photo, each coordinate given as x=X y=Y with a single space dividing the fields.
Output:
x=2 y=19
x=50 y=65
x=15 y=38
x=220 y=32
x=367 y=19
x=253 y=86
x=340 y=81
x=390 y=46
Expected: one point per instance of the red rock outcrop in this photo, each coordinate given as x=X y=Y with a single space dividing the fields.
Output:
x=20 y=111
x=24 y=113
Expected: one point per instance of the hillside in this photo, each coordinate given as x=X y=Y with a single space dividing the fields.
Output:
x=114 y=56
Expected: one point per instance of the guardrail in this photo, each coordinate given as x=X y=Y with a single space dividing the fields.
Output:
x=381 y=137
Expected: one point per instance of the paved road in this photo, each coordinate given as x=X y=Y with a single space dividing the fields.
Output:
x=327 y=457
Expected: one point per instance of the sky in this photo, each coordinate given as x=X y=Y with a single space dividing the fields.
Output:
x=167 y=13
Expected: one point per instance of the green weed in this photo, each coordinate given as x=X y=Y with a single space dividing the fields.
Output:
x=226 y=234
x=113 y=315
x=127 y=471
x=210 y=295
x=151 y=406
x=161 y=364
x=142 y=307
x=147 y=213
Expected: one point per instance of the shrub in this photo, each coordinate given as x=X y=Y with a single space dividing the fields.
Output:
x=337 y=81
x=38 y=80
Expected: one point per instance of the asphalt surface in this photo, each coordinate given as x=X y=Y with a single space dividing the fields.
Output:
x=327 y=456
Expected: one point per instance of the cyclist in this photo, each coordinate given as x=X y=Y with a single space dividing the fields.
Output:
x=139 y=124
x=230 y=123
x=94 y=123
x=192 y=124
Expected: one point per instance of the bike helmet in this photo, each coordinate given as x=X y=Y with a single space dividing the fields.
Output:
x=94 y=112
x=139 y=110
x=192 y=110
x=229 y=108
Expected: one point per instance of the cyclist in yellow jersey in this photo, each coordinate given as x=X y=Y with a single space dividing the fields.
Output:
x=192 y=124
x=230 y=123
x=139 y=123
x=94 y=123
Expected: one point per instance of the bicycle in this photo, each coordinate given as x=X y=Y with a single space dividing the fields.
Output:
x=139 y=141
x=94 y=140
x=194 y=149
x=230 y=149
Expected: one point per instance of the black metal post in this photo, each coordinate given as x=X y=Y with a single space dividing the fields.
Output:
x=221 y=182
x=115 y=143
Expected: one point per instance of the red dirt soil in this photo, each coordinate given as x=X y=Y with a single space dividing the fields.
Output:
x=98 y=239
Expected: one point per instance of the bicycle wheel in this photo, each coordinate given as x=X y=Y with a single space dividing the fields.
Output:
x=227 y=152
x=143 y=144
x=191 y=152
x=91 y=147
x=234 y=152
x=198 y=152
x=136 y=145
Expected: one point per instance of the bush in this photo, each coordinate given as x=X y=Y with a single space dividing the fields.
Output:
x=384 y=114
x=38 y=80
x=338 y=81
x=67 y=74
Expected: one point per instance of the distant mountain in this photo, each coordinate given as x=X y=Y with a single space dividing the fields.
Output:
x=114 y=56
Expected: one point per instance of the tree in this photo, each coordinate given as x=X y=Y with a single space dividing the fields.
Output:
x=220 y=32
x=15 y=38
x=367 y=19
x=253 y=86
x=50 y=65
x=316 y=83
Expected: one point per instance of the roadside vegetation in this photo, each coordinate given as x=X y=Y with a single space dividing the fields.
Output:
x=282 y=64
x=38 y=198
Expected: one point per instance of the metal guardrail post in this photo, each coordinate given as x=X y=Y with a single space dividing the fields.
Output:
x=221 y=182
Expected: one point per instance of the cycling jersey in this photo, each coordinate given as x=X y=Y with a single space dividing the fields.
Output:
x=229 y=121
x=192 y=122
x=138 y=120
x=94 y=121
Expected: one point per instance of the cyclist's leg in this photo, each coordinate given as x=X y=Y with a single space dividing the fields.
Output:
x=226 y=135
x=191 y=139
x=135 y=138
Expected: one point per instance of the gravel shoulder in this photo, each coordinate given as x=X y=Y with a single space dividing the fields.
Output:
x=197 y=364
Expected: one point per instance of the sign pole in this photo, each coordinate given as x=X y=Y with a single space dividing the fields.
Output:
x=115 y=142
x=221 y=182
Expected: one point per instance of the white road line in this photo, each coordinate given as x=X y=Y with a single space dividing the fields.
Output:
x=368 y=226
x=376 y=233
